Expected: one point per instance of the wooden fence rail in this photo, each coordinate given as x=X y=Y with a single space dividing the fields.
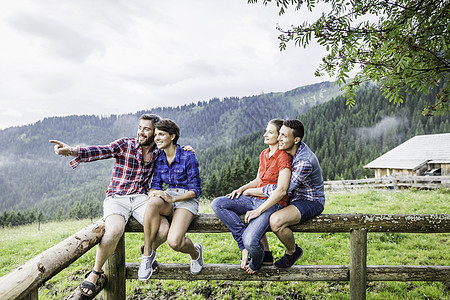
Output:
x=357 y=272
x=394 y=182
x=24 y=281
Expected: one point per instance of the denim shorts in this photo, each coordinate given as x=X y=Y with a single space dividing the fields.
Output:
x=308 y=209
x=126 y=206
x=190 y=205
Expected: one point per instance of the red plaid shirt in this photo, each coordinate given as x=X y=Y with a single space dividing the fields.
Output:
x=130 y=175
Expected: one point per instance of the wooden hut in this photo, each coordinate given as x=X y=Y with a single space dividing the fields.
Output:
x=418 y=156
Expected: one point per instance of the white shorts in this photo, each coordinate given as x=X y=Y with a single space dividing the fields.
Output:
x=126 y=206
x=190 y=205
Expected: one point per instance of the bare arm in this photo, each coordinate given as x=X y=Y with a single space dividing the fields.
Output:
x=281 y=190
x=171 y=199
x=257 y=192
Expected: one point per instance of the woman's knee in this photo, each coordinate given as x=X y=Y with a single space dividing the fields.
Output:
x=163 y=231
x=175 y=242
x=154 y=205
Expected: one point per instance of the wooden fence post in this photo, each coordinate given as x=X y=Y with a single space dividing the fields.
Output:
x=358 y=264
x=115 y=288
x=33 y=295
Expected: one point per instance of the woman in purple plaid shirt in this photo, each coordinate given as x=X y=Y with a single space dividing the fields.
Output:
x=178 y=169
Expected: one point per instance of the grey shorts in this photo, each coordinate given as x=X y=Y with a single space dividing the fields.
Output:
x=190 y=205
x=126 y=206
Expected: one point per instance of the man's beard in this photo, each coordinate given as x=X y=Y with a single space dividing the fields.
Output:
x=147 y=142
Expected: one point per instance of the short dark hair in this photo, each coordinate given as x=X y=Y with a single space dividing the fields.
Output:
x=151 y=117
x=169 y=126
x=277 y=123
x=297 y=126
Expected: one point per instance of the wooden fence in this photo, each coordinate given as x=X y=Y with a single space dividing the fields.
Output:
x=24 y=281
x=392 y=182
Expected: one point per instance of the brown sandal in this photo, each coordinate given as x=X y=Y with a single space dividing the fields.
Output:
x=96 y=287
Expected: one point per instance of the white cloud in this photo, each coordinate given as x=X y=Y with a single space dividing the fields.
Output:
x=103 y=57
x=378 y=130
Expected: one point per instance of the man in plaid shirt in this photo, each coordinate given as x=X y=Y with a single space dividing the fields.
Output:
x=127 y=192
x=306 y=191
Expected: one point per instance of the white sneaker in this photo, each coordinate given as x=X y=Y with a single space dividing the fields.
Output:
x=197 y=265
x=145 y=268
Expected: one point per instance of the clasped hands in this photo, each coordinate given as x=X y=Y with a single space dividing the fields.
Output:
x=161 y=194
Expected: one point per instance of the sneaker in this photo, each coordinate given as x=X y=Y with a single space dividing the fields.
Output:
x=268 y=258
x=155 y=264
x=287 y=260
x=145 y=268
x=197 y=265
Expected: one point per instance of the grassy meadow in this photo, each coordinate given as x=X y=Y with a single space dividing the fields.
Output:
x=19 y=244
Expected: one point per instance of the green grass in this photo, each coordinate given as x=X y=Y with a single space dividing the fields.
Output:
x=19 y=244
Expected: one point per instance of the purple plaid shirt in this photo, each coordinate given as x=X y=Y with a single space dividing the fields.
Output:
x=183 y=172
x=306 y=178
x=130 y=175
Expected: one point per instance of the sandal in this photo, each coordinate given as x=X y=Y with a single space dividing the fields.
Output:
x=155 y=267
x=94 y=288
x=249 y=270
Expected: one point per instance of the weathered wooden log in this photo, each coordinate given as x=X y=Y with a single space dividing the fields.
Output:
x=31 y=275
x=408 y=273
x=234 y=273
x=296 y=273
x=425 y=223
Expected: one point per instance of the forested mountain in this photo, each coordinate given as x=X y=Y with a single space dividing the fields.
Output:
x=343 y=139
x=227 y=136
x=33 y=177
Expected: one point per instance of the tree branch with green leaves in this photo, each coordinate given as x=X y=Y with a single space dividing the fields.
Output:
x=402 y=46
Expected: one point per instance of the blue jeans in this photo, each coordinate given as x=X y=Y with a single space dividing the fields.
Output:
x=248 y=237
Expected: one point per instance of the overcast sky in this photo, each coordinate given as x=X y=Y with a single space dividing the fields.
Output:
x=107 y=57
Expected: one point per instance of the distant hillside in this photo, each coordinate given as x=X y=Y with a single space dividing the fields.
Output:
x=33 y=177
x=343 y=139
x=227 y=136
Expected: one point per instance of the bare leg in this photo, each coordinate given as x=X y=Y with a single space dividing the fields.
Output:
x=152 y=221
x=114 y=228
x=244 y=260
x=265 y=243
x=280 y=222
x=163 y=230
x=176 y=238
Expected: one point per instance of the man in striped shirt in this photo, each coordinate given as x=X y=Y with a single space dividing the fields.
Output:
x=306 y=191
x=127 y=192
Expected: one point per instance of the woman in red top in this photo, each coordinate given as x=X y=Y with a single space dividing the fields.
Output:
x=274 y=168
